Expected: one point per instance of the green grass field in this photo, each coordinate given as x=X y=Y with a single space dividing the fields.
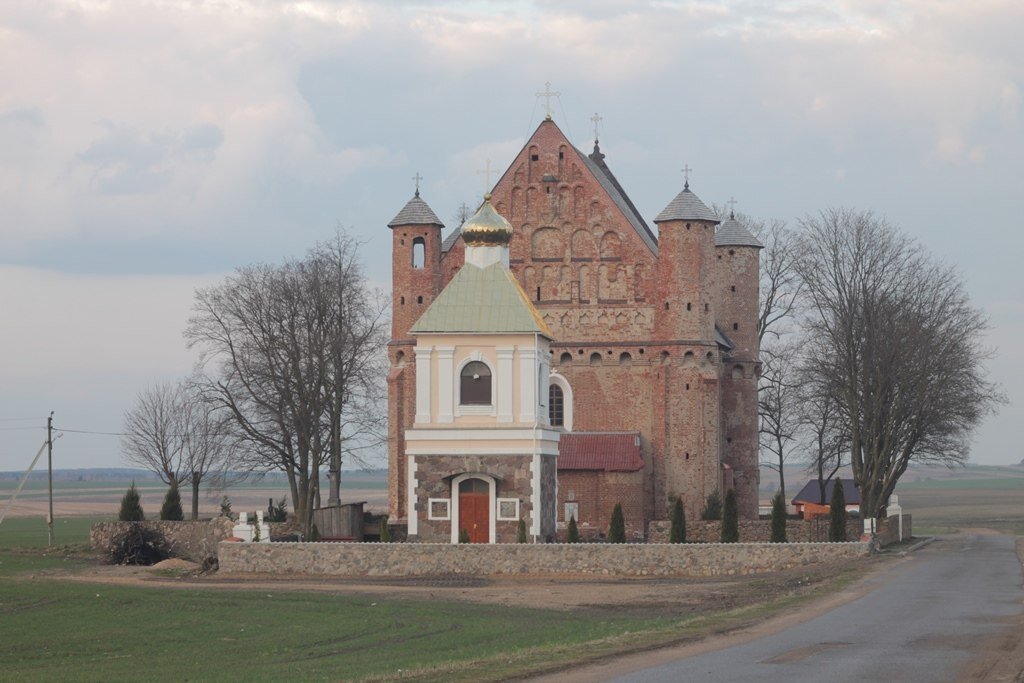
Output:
x=943 y=505
x=64 y=630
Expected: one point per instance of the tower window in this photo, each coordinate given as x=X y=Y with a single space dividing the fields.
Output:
x=419 y=249
x=475 y=384
x=419 y=299
x=707 y=307
x=402 y=301
x=556 y=406
x=561 y=155
x=538 y=294
x=689 y=305
x=733 y=288
x=735 y=326
x=534 y=157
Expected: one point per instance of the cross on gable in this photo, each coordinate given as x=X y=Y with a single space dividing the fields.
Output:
x=547 y=94
x=486 y=172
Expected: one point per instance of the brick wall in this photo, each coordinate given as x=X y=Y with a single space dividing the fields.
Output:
x=602 y=559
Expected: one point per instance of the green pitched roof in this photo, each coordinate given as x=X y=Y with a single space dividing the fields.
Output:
x=482 y=300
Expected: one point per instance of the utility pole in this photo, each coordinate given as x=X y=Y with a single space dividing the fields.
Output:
x=49 y=461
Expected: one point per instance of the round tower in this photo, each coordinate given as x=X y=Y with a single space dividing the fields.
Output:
x=737 y=261
x=415 y=264
x=686 y=253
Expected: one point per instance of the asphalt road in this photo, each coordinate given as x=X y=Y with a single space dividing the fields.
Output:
x=919 y=624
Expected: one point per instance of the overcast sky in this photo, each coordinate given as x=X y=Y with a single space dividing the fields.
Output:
x=150 y=147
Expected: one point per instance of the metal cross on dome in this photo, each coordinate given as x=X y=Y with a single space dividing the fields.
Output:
x=547 y=95
x=686 y=176
x=596 y=119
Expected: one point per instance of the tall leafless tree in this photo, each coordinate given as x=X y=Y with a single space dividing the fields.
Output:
x=206 y=439
x=295 y=355
x=824 y=430
x=152 y=432
x=904 y=348
x=778 y=402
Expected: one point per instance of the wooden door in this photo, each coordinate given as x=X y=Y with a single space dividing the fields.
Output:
x=474 y=510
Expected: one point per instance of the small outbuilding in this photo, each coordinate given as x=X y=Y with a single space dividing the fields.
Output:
x=809 y=502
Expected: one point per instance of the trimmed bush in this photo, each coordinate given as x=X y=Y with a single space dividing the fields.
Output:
x=314 y=534
x=779 y=519
x=463 y=536
x=521 y=532
x=730 y=518
x=131 y=507
x=712 y=508
x=574 y=531
x=171 y=509
x=837 y=514
x=677 y=530
x=385 y=530
x=617 y=528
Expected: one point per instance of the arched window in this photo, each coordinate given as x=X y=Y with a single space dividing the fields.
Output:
x=565 y=358
x=418 y=252
x=556 y=406
x=475 y=384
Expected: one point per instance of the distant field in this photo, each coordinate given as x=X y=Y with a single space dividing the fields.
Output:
x=944 y=504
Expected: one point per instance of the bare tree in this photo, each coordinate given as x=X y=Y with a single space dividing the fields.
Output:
x=778 y=403
x=823 y=426
x=152 y=432
x=206 y=439
x=294 y=353
x=904 y=348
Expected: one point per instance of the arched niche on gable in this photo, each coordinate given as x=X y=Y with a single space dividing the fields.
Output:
x=547 y=244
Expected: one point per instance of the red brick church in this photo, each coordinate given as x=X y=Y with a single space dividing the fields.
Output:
x=653 y=352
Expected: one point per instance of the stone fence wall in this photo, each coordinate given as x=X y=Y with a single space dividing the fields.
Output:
x=196 y=541
x=755 y=530
x=605 y=559
x=888 y=531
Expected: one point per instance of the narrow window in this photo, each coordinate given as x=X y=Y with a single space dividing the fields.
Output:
x=735 y=326
x=666 y=305
x=534 y=157
x=556 y=406
x=538 y=294
x=475 y=385
x=419 y=299
x=707 y=307
x=733 y=288
x=418 y=252
x=689 y=306
x=402 y=301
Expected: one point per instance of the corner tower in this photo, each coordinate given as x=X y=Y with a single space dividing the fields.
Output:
x=415 y=281
x=737 y=297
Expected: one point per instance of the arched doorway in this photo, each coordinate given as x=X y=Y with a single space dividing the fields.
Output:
x=475 y=509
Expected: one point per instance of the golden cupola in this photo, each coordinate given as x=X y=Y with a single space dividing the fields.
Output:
x=487 y=227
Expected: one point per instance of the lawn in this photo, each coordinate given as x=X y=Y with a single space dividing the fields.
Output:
x=53 y=629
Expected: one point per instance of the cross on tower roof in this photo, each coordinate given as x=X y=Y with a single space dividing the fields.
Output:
x=486 y=173
x=596 y=119
x=417 y=178
x=732 y=206
x=686 y=177
x=547 y=95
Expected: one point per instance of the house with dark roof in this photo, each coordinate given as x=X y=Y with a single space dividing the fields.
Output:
x=809 y=502
x=650 y=342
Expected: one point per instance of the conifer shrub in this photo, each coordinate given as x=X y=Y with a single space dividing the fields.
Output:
x=171 y=509
x=617 y=528
x=730 y=518
x=385 y=530
x=837 y=514
x=463 y=536
x=314 y=534
x=779 y=519
x=712 y=508
x=677 y=529
x=131 y=506
x=574 y=531
x=278 y=512
x=225 y=507
x=521 y=532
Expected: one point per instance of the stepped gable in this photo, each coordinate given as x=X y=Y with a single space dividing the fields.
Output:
x=482 y=300
x=732 y=233
x=416 y=212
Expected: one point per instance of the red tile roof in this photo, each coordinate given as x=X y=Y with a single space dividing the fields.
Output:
x=608 y=451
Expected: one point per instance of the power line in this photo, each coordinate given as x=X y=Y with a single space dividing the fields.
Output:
x=86 y=431
x=19 y=429
x=18 y=419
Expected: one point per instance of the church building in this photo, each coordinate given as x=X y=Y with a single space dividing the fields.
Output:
x=570 y=361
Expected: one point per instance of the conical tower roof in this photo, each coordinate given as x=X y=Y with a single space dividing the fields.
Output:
x=416 y=212
x=687 y=207
x=732 y=233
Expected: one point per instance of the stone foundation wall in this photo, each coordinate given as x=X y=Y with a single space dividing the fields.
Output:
x=755 y=530
x=195 y=541
x=889 y=530
x=429 y=559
